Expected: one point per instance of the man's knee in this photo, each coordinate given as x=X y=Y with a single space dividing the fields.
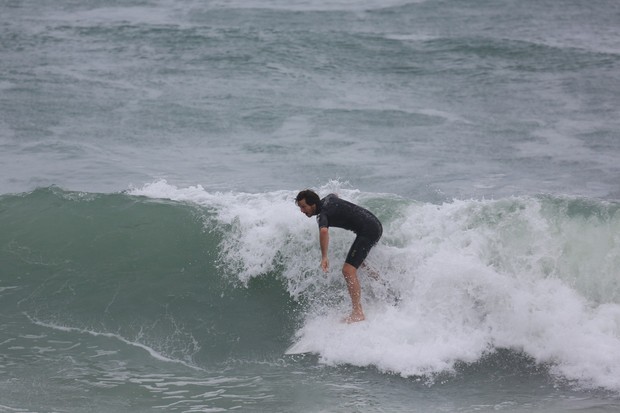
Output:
x=348 y=270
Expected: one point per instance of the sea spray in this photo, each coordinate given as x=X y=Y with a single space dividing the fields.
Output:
x=465 y=278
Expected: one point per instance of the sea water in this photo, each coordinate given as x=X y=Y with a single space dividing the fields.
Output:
x=152 y=257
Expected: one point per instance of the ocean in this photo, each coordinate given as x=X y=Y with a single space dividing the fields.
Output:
x=152 y=257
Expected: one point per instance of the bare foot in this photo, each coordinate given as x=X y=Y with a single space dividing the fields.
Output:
x=354 y=318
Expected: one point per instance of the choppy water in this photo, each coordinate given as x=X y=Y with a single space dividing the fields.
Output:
x=151 y=257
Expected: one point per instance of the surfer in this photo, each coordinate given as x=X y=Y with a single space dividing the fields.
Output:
x=332 y=211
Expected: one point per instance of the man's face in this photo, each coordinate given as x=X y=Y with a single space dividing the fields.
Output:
x=309 y=210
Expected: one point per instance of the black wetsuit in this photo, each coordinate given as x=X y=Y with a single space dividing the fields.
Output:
x=335 y=212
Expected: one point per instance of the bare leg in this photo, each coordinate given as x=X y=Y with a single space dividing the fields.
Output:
x=355 y=291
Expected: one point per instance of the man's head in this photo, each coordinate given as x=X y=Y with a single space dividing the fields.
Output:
x=307 y=201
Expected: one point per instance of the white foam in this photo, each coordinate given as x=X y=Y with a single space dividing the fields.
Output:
x=468 y=290
x=469 y=276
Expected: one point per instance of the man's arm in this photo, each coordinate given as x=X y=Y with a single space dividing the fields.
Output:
x=324 y=241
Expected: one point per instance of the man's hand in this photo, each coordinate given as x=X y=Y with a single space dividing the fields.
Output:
x=325 y=264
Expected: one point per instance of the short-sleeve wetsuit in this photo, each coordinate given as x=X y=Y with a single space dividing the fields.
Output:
x=335 y=212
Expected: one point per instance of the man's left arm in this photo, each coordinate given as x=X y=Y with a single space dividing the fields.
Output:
x=324 y=241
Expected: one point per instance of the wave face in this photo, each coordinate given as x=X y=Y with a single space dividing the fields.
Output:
x=196 y=278
x=143 y=270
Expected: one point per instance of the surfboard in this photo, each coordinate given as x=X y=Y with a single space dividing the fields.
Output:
x=300 y=347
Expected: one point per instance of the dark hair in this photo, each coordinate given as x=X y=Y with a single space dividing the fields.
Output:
x=310 y=196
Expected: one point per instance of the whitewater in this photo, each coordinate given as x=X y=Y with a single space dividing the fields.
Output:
x=468 y=277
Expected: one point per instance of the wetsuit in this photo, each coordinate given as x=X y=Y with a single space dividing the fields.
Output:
x=335 y=212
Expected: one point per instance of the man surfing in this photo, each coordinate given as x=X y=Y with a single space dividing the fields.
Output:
x=332 y=211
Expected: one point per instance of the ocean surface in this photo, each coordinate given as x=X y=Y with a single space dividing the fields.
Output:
x=152 y=257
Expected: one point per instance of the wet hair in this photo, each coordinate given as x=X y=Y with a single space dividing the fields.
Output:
x=310 y=196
